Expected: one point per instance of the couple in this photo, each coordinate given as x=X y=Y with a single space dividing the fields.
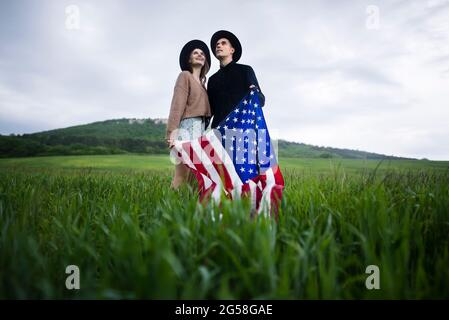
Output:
x=193 y=105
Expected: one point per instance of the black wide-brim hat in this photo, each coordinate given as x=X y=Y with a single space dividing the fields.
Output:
x=232 y=39
x=187 y=50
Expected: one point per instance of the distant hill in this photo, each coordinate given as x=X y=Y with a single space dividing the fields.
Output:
x=137 y=136
x=302 y=150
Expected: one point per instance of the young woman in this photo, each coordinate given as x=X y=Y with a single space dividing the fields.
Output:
x=190 y=107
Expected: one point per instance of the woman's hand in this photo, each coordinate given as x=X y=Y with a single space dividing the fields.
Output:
x=253 y=86
x=170 y=143
x=259 y=94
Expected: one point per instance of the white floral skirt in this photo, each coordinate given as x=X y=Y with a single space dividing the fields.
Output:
x=191 y=128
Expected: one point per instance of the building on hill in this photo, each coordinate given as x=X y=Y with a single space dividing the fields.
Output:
x=160 y=120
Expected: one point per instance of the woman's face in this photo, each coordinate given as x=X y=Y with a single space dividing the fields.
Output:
x=197 y=58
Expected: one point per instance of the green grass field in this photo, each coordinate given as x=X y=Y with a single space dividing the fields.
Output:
x=132 y=237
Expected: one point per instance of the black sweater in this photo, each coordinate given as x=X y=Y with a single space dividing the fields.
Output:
x=227 y=87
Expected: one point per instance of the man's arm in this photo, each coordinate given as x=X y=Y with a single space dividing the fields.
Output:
x=253 y=82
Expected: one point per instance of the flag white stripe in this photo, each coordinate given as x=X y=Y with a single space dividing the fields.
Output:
x=184 y=155
x=207 y=181
x=186 y=160
x=266 y=195
x=207 y=164
x=217 y=193
x=252 y=188
x=226 y=160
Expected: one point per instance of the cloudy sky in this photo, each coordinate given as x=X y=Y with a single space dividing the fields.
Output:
x=367 y=75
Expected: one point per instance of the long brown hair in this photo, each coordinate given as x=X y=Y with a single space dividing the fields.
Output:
x=203 y=72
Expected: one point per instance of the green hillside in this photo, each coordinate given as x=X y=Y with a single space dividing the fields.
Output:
x=142 y=136
x=302 y=150
x=145 y=129
x=104 y=137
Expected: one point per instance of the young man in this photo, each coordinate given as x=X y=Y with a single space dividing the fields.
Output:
x=231 y=83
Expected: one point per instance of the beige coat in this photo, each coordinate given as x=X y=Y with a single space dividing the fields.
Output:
x=189 y=100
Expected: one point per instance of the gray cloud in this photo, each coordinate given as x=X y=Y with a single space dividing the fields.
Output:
x=328 y=78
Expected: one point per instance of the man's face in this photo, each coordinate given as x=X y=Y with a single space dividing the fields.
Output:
x=223 y=49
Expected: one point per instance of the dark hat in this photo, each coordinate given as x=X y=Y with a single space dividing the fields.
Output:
x=232 y=39
x=187 y=50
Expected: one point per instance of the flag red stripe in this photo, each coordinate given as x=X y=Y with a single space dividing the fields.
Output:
x=195 y=160
x=218 y=164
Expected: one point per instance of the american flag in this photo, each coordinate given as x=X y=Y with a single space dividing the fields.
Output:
x=236 y=159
